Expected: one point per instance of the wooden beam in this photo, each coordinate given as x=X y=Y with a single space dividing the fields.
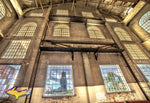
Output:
x=135 y=10
x=17 y=7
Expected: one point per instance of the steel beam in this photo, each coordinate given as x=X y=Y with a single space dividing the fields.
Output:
x=80 y=49
x=54 y=41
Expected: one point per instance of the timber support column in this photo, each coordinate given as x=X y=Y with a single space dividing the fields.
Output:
x=89 y=79
x=17 y=7
x=135 y=10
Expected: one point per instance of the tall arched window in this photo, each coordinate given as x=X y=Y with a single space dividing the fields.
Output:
x=95 y=32
x=61 y=30
x=2 y=10
x=87 y=14
x=27 y=29
x=122 y=34
x=144 y=22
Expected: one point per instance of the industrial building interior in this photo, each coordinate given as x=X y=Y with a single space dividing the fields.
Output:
x=75 y=51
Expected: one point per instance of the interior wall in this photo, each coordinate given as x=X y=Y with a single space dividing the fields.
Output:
x=140 y=32
x=9 y=19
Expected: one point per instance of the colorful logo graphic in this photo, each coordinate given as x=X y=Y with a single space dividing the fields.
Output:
x=17 y=93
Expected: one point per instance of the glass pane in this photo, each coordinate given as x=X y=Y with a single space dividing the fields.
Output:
x=135 y=51
x=145 y=68
x=122 y=34
x=95 y=32
x=144 y=22
x=17 y=49
x=113 y=79
x=27 y=29
x=36 y=14
x=2 y=10
x=59 y=81
x=62 y=12
x=61 y=30
x=8 y=75
x=87 y=14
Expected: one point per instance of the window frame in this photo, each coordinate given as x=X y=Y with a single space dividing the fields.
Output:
x=4 y=9
x=143 y=72
x=87 y=13
x=59 y=95
x=61 y=12
x=144 y=57
x=99 y=36
x=18 y=69
x=11 y=45
x=120 y=36
x=36 y=14
x=122 y=77
x=26 y=31
x=144 y=19
x=60 y=35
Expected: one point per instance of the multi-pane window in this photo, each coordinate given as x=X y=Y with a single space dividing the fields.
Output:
x=61 y=30
x=2 y=10
x=113 y=79
x=144 y=22
x=36 y=14
x=95 y=32
x=145 y=68
x=62 y=12
x=8 y=75
x=17 y=49
x=135 y=51
x=122 y=34
x=110 y=19
x=87 y=14
x=27 y=29
x=59 y=81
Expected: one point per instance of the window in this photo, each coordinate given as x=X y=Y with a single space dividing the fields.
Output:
x=110 y=19
x=135 y=51
x=145 y=68
x=61 y=30
x=87 y=14
x=36 y=14
x=122 y=34
x=17 y=49
x=59 y=81
x=62 y=12
x=144 y=22
x=2 y=10
x=95 y=32
x=113 y=79
x=8 y=75
x=27 y=29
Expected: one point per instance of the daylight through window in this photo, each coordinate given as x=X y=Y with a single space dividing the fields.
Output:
x=62 y=12
x=2 y=10
x=61 y=30
x=59 y=81
x=95 y=32
x=8 y=75
x=122 y=34
x=135 y=51
x=87 y=14
x=113 y=79
x=144 y=22
x=36 y=14
x=27 y=29
x=145 y=68
x=17 y=49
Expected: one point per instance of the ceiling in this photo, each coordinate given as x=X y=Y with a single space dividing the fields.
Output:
x=118 y=8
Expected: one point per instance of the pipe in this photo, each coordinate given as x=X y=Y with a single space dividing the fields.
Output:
x=17 y=8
